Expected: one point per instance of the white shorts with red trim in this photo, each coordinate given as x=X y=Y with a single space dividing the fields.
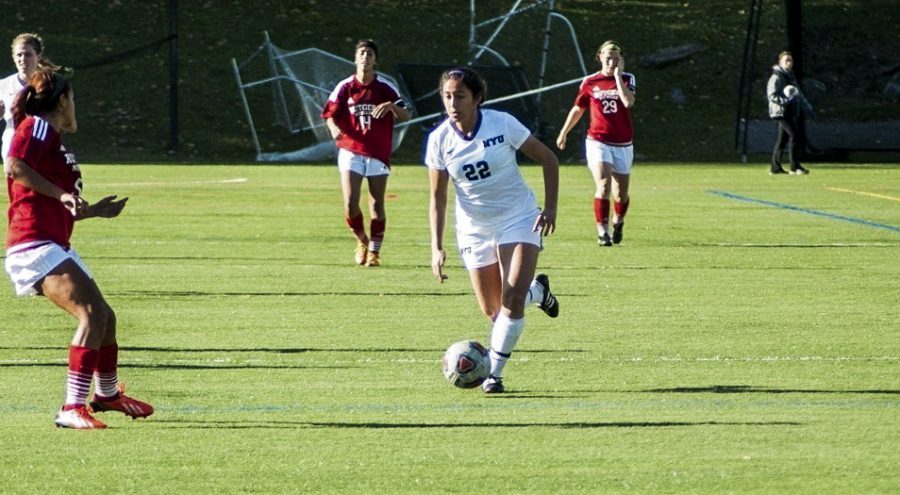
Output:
x=365 y=166
x=28 y=263
x=620 y=157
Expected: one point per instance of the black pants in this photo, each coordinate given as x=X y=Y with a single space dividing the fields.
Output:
x=787 y=137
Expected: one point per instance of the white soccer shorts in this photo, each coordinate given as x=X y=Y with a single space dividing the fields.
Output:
x=479 y=248
x=621 y=157
x=365 y=166
x=29 y=263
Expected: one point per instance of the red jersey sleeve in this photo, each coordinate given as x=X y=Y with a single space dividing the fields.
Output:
x=33 y=216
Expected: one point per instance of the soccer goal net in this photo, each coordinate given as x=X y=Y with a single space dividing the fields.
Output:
x=287 y=90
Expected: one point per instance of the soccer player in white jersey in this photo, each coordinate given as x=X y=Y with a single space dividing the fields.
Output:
x=27 y=55
x=360 y=115
x=610 y=95
x=499 y=225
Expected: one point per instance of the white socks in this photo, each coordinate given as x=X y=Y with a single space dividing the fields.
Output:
x=504 y=336
x=535 y=294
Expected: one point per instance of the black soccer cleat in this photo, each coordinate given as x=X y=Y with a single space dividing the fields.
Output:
x=604 y=240
x=617 y=232
x=549 y=304
x=493 y=385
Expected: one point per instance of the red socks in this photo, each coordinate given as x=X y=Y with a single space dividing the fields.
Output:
x=82 y=363
x=106 y=373
x=376 y=228
x=601 y=210
x=621 y=209
x=359 y=230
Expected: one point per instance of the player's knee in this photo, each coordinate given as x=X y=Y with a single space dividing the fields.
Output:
x=96 y=315
x=491 y=312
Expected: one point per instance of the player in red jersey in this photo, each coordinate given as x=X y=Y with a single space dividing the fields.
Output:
x=610 y=94
x=360 y=115
x=44 y=184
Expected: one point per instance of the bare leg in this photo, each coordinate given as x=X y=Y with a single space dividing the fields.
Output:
x=70 y=288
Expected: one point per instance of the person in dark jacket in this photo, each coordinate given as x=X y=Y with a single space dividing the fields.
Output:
x=785 y=103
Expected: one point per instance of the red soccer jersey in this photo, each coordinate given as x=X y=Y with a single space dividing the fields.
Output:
x=33 y=216
x=351 y=105
x=610 y=120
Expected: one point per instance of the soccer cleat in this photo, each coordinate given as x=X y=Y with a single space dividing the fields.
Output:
x=374 y=259
x=604 y=240
x=493 y=385
x=549 y=304
x=362 y=252
x=777 y=171
x=799 y=171
x=617 y=232
x=122 y=403
x=78 y=418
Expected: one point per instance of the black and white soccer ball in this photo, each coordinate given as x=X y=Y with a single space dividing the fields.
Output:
x=466 y=364
x=791 y=91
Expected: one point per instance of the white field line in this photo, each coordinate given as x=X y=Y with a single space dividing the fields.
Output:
x=239 y=180
x=525 y=357
x=863 y=193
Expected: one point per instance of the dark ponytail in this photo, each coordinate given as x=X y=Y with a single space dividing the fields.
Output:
x=40 y=96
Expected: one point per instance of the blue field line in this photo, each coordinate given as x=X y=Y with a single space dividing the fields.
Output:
x=834 y=216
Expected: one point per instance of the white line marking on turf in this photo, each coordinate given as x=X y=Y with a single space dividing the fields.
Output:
x=239 y=180
x=863 y=193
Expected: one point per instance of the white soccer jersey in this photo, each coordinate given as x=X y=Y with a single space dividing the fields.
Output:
x=9 y=88
x=490 y=190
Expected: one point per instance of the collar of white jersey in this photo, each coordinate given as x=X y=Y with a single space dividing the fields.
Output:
x=474 y=131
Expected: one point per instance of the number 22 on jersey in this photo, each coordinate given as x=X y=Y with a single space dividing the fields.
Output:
x=479 y=170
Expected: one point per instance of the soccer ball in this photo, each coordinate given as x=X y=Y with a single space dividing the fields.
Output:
x=466 y=364
x=791 y=91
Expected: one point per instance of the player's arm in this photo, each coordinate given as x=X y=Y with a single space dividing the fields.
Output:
x=775 y=91
x=540 y=153
x=333 y=128
x=437 y=215
x=19 y=171
x=574 y=116
x=396 y=107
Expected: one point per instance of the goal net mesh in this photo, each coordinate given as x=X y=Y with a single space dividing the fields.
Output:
x=287 y=90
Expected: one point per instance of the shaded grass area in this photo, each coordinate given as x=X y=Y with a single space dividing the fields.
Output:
x=124 y=106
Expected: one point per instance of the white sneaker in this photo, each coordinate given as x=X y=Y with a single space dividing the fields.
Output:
x=79 y=418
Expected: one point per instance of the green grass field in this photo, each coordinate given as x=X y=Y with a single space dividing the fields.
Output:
x=744 y=338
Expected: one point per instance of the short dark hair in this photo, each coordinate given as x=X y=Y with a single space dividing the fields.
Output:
x=367 y=43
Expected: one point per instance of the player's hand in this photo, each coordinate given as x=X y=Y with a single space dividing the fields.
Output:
x=383 y=109
x=335 y=132
x=620 y=67
x=75 y=204
x=438 y=258
x=561 y=141
x=108 y=207
x=546 y=222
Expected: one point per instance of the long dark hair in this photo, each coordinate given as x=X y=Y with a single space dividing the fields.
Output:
x=40 y=96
